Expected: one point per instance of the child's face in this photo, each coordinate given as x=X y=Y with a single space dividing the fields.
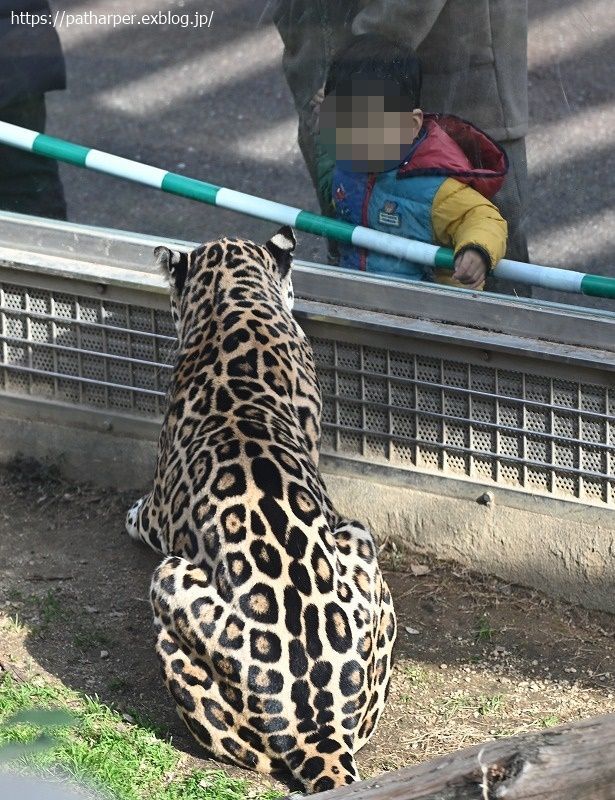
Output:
x=368 y=126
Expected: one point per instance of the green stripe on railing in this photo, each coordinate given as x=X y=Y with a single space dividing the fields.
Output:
x=324 y=226
x=190 y=187
x=598 y=286
x=445 y=258
x=56 y=148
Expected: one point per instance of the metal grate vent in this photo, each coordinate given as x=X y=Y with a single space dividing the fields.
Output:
x=88 y=352
x=550 y=436
x=515 y=429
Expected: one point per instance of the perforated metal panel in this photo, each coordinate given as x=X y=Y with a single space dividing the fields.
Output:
x=514 y=429
x=94 y=353
x=518 y=429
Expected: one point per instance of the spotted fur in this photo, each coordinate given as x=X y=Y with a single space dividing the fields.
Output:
x=274 y=624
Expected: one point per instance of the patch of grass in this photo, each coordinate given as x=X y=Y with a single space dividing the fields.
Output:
x=47 y=608
x=215 y=785
x=550 y=721
x=476 y=705
x=483 y=631
x=455 y=703
x=490 y=705
x=128 y=760
x=416 y=674
x=15 y=624
x=145 y=721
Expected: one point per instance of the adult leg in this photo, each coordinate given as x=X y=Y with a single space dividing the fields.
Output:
x=512 y=203
x=29 y=184
x=320 y=170
x=312 y=32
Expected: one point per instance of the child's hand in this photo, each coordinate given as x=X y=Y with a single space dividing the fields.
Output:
x=470 y=268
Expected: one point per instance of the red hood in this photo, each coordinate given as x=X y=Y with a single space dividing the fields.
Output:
x=456 y=148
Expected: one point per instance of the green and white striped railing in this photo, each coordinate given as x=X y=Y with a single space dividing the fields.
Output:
x=547 y=277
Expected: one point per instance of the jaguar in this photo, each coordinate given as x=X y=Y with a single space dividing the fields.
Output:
x=274 y=625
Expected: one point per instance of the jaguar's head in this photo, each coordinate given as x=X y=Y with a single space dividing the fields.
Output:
x=191 y=274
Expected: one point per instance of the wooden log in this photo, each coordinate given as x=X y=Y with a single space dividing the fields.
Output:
x=570 y=762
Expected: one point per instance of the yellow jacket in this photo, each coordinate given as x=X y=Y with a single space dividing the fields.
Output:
x=461 y=217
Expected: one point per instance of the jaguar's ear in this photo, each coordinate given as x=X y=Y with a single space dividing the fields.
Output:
x=174 y=264
x=282 y=246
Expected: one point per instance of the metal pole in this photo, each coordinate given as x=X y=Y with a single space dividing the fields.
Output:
x=407 y=249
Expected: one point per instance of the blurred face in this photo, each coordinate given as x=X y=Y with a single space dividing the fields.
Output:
x=367 y=126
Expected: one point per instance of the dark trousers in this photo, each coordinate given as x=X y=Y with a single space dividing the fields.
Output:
x=29 y=184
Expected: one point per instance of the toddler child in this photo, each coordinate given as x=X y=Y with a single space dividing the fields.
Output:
x=394 y=168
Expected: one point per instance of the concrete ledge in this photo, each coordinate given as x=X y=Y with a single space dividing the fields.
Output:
x=564 y=548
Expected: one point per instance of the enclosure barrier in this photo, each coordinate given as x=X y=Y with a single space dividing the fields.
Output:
x=517 y=414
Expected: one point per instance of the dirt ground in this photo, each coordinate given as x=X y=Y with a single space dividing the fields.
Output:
x=476 y=658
